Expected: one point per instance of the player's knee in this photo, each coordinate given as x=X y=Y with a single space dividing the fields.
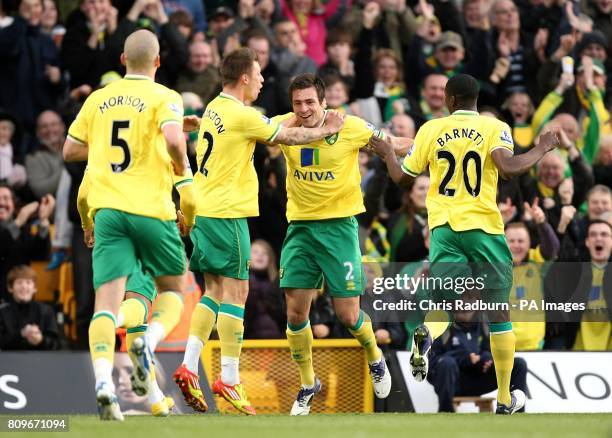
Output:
x=348 y=317
x=296 y=316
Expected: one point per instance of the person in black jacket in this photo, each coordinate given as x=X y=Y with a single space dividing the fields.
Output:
x=585 y=283
x=24 y=323
x=20 y=240
x=461 y=363
x=30 y=78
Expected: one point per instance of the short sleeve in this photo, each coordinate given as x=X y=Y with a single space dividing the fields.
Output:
x=170 y=109
x=259 y=127
x=79 y=127
x=416 y=160
x=501 y=137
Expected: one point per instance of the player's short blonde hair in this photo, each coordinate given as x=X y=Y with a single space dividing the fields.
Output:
x=141 y=49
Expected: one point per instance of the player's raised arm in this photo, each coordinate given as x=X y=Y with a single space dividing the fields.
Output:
x=296 y=136
x=385 y=149
x=510 y=165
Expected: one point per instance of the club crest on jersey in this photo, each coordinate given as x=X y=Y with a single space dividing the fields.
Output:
x=265 y=119
x=175 y=108
x=506 y=137
x=331 y=139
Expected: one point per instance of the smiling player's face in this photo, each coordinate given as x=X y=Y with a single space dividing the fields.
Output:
x=307 y=107
x=255 y=83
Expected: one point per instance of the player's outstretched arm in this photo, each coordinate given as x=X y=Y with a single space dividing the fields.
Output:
x=510 y=165
x=384 y=148
x=75 y=151
x=175 y=143
x=401 y=145
x=296 y=136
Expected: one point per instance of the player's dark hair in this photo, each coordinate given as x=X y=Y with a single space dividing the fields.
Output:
x=237 y=63
x=308 y=80
x=464 y=88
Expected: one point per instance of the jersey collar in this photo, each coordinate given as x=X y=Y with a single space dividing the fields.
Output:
x=229 y=96
x=137 y=77
x=465 y=113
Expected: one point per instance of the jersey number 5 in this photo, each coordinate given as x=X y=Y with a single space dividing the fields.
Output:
x=119 y=142
x=450 y=158
x=209 y=139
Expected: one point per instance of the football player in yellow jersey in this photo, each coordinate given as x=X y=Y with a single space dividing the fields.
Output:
x=140 y=294
x=465 y=152
x=130 y=132
x=226 y=190
x=323 y=196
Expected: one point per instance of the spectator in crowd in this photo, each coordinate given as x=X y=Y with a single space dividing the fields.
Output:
x=195 y=8
x=50 y=23
x=406 y=226
x=461 y=363
x=602 y=165
x=31 y=79
x=273 y=98
x=601 y=12
x=174 y=51
x=339 y=63
x=20 y=241
x=220 y=19
x=265 y=310
x=200 y=76
x=599 y=202
x=337 y=93
x=433 y=105
x=11 y=172
x=379 y=88
x=588 y=283
x=183 y=23
x=289 y=51
x=91 y=46
x=24 y=323
x=45 y=164
x=529 y=326
x=312 y=20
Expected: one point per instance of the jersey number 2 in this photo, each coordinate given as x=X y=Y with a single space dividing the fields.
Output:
x=119 y=142
x=450 y=158
x=209 y=139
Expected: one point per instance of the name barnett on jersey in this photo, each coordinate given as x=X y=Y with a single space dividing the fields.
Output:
x=461 y=133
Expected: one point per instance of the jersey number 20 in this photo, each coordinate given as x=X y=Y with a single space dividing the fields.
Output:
x=471 y=155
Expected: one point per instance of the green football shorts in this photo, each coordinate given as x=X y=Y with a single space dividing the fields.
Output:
x=141 y=283
x=123 y=239
x=221 y=246
x=328 y=249
x=458 y=255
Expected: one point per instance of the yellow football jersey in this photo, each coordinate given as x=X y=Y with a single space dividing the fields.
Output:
x=463 y=187
x=595 y=333
x=323 y=179
x=226 y=182
x=129 y=166
x=528 y=324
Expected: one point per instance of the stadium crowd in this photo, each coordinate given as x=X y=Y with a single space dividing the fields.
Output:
x=540 y=64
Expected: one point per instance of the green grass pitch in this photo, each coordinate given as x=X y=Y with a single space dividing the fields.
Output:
x=343 y=425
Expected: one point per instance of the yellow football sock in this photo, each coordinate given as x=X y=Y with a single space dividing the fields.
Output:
x=230 y=326
x=502 y=348
x=102 y=336
x=300 y=345
x=362 y=331
x=167 y=310
x=132 y=313
x=437 y=321
x=203 y=318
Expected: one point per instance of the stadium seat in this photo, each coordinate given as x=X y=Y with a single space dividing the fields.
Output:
x=67 y=300
x=47 y=282
x=484 y=404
